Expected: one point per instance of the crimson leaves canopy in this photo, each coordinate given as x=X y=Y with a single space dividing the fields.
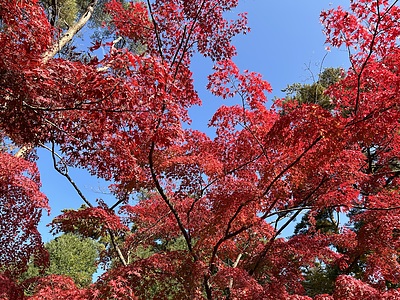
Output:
x=211 y=210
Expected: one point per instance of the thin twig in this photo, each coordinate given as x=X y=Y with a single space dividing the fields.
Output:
x=65 y=173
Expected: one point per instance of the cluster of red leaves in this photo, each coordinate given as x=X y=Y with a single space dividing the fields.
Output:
x=368 y=28
x=56 y=287
x=24 y=37
x=132 y=22
x=349 y=288
x=21 y=208
x=9 y=288
x=175 y=26
x=89 y=222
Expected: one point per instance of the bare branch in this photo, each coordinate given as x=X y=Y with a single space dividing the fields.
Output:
x=65 y=173
x=72 y=31
x=116 y=248
x=155 y=30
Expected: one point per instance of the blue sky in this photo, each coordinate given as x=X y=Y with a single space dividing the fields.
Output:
x=285 y=43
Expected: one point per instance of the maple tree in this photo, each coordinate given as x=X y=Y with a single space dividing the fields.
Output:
x=211 y=211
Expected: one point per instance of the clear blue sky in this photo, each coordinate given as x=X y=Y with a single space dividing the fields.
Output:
x=285 y=39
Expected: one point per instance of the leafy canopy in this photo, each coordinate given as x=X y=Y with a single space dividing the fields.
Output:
x=197 y=217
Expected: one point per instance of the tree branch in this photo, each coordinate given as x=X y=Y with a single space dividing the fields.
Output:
x=168 y=202
x=155 y=30
x=65 y=173
x=72 y=31
x=116 y=248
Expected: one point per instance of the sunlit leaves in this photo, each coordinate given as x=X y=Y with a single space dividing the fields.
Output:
x=370 y=27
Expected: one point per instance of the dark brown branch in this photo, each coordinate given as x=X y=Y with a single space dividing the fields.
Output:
x=65 y=173
x=364 y=64
x=185 y=48
x=271 y=241
x=168 y=202
x=377 y=208
x=155 y=30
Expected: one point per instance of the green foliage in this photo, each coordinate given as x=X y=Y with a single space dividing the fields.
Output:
x=70 y=255
x=330 y=76
x=73 y=256
x=320 y=279
x=325 y=222
x=159 y=246
x=315 y=92
x=62 y=13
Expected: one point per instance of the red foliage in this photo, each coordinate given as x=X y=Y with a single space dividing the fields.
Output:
x=9 y=290
x=89 y=222
x=56 y=287
x=349 y=288
x=211 y=211
x=21 y=208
